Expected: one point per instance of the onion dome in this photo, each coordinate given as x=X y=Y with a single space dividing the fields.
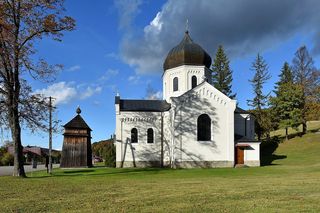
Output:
x=187 y=53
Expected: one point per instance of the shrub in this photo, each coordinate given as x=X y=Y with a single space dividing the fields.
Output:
x=6 y=159
x=110 y=155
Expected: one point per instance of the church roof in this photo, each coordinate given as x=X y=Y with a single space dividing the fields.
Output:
x=241 y=111
x=77 y=122
x=143 y=105
x=187 y=53
x=241 y=138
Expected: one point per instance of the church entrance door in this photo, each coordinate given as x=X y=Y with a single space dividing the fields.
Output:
x=239 y=155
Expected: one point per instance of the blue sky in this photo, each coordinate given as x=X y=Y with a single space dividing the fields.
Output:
x=119 y=46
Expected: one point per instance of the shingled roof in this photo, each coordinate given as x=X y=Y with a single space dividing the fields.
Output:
x=77 y=122
x=241 y=138
x=143 y=105
x=241 y=111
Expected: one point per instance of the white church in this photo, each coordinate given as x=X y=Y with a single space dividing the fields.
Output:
x=195 y=125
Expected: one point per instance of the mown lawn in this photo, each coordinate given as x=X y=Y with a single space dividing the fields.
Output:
x=290 y=184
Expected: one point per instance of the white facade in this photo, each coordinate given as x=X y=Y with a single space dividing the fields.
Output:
x=184 y=75
x=175 y=130
x=194 y=126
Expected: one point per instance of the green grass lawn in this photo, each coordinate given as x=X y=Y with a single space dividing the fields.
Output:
x=312 y=126
x=290 y=184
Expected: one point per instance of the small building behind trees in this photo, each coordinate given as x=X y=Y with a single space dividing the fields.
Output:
x=76 y=150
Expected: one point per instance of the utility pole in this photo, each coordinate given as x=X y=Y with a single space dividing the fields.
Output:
x=50 y=135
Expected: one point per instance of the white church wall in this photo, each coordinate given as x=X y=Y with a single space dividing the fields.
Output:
x=252 y=154
x=142 y=153
x=184 y=74
x=205 y=99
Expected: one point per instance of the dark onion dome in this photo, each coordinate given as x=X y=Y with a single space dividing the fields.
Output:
x=187 y=53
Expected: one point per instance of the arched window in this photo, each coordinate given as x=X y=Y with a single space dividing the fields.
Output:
x=175 y=84
x=204 y=128
x=134 y=135
x=193 y=81
x=150 y=135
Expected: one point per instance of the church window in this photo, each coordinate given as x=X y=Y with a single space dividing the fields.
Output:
x=193 y=81
x=175 y=84
x=204 y=128
x=134 y=135
x=150 y=135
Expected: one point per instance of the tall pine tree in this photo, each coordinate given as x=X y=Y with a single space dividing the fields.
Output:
x=260 y=100
x=288 y=100
x=222 y=74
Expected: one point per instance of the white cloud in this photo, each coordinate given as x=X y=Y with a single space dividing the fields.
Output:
x=127 y=10
x=74 y=68
x=62 y=92
x=243 y=27
x=89 y=92
x=152 y=94
x=108 y=74
x=65 y=92
x=134 y=79
x=155 y=96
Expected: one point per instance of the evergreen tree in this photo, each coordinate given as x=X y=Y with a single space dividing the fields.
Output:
x=260 y=100
x=307 y=76
x=286 y=75
x=222 y=74
x=286 y=105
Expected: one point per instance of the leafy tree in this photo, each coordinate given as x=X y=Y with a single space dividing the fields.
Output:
x=107 y=150
x=22 y=23
x=313 y=111
x=307 y=76
x=222 y=74
x=110 y=155
x=260 y=100
x=6 y=159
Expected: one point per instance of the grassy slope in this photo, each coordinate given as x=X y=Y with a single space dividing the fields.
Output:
x=290 y=184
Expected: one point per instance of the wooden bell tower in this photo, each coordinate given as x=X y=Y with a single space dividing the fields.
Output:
x=76 y=150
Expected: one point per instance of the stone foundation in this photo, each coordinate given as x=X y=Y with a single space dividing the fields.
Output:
x=182 y=164
x=252 y=163
x=139 y=164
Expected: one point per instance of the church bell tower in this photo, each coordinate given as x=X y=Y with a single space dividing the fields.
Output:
x=185 y=66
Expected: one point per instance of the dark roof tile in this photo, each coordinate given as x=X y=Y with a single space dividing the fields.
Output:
x=143 y=105
x=77 y=123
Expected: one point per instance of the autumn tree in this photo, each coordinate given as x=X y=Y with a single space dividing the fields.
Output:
x=260 y=101
x=286 y=104
x=307 y=76
x=222 y=74
x=22 y=23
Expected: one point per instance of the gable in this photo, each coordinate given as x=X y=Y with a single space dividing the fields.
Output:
x=209 y=92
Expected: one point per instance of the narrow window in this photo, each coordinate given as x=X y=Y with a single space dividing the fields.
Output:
x=175 y=84
x=204 y=128
x=150 y=135
x=193 y=81
x=134 y=135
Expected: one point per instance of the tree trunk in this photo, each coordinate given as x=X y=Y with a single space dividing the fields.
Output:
x=16 y=137
x=304 y=127
x=286 y=133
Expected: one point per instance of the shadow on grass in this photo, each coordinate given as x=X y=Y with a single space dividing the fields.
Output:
x=103 y=172
x=78 y=171
x=268 y=147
